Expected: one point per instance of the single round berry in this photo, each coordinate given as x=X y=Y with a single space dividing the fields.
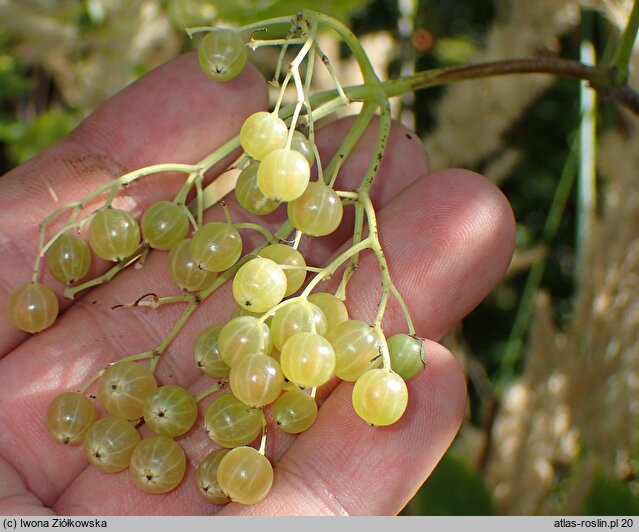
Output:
x=333 y=308
x=259 y=285
x=302 y=144
x=222 y=54
x=283 y=175
x=296 y=317
x=109 y=444
x=33 y=307
x=170 y=410
x=249 y=195
x=294 y=411
x=380 y=397
x=216 y=246
x=245 y=475
x=406 y=355
x=356 y=348
x=256 y=380
x=69 y=416
x=243 y=336
x=307 y=359
x=69 y=259
x=157 y=464
x=185 y=271
x=262 y=133
x=206 y=478
x=317 y=212
x=207 y=353
x=124 y=387
x=113 y=234
x=231 y=423
x=164 y=225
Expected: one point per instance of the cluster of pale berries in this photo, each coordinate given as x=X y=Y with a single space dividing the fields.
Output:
x=273 y=352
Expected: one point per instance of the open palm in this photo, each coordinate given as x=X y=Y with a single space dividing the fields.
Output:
x=448 y=236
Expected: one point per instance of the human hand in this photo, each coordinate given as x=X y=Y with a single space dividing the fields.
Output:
x=448 y=236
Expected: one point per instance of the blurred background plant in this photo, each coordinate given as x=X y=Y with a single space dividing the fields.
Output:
x=552 y=356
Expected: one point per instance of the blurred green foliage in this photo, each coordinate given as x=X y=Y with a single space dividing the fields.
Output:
x=25 y=132
x=242 y=12
x=247 y=11
x=27 y=138
x=12 y=81
x=454 y=488
x=609 y=496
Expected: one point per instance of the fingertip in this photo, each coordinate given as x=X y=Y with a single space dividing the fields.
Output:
x=488 y=214
x=460 y=237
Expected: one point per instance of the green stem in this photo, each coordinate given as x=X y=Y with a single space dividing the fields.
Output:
x=256 y=227
x=380 y=146
x=131 y=358
x=177 y=327
x=402 y=303
x=600 y=78
x=199 y=201
x=334 y=265
x=621 y=58
x=362 y=120
x=374 y=97
x=129 y=178
x=381 y=306
x=331 y=71
x=193 y=223
x=210 y=390
x=262 y=448
x=534 y=65
x=383 y=346
x=345 y=194
x=226 y=149
x=381 y=141
x=299 y=87
x=256 y=26
x=297 y=239
x=96 y=376
x=180 y=197
x=305 y=268
x=155 y=301
x=368 y=72
x=388 y=286
x=353 y=136
x=280 y=61
x=254 y=45
x=71 y=291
